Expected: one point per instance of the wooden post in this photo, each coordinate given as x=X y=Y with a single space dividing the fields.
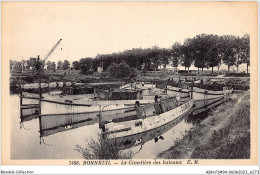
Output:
x=166 y=88
x=49 y=87
x=179 y=81
x=21 y=104
x=40 y=119
x=40 y=90
x=191 y=88
x=101 y=123
x=21 y=99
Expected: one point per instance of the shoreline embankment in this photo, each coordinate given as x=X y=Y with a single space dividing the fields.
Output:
x=224 y=134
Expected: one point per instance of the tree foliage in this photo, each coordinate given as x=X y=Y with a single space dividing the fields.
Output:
x=53 y=67
x=121 y=70
x=176 y=54
x=48 y=65
x=75 y=65
x=243 y=50
x=228 y=49
x=59 y=65
x=65 y=65
x=187 y=53
x=85 y=65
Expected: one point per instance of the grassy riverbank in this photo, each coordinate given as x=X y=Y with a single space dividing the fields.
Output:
x=224 y=134
x=101 y=148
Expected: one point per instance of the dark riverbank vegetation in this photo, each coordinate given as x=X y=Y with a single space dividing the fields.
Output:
x=102 y=149
x=224 y=134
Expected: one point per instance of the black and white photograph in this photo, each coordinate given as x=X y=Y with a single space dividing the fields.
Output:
x=132 y=81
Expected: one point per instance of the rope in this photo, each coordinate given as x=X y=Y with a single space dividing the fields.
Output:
x=45 y=143
x=139 y=150
x=22 y=126
x=140 y=147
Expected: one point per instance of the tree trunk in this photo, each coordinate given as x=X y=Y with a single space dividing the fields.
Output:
x=246 y=67
x=228 y=69
x=188 y=69
x=218 y=70
x=198 y=70
x=202 y=69
x=185 y=69
x=237 y=68
x=212 y=70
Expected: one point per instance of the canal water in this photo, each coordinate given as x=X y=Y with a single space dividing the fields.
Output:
x=26 y=143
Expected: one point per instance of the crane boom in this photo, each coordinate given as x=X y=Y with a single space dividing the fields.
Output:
x=51 y=51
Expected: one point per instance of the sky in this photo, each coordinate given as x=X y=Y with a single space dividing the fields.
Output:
x=90 y=28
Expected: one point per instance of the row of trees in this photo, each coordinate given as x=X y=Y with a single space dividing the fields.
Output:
x=51 y=66
x=204 y=51
x=212 y=50
x=18 y=66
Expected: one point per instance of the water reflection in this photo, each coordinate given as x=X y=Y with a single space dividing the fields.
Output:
x=25 y=142
x=151 y=148
x=51 y=124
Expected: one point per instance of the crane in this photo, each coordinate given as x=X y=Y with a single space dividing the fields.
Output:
x=51 y=51
x=39 y=67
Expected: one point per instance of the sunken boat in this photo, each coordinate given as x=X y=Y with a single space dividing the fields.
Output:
x=145 y=120
x=112 y=103
x=204 y=99
x=204 y=104
x=197 y=93
x=84 y=99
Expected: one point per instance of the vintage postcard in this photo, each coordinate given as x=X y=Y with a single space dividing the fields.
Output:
x=129 y=83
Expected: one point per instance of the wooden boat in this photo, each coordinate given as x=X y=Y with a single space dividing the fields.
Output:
x=51 y=124
x=148 y=89
x=202 y=105
x=143 y=137
x=147 y=118
x=84 y=111
x=197 y=93
x=55 y=123
x=87 y=106
x=83 y=103
x=204 y=94
x=178 y=92
x=120 y=121
x=80 y=105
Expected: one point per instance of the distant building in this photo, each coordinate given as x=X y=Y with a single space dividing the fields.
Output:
x=192 y=69
x=180 y=69
x=170 y=69
x=32 y=62
x=100 y=68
